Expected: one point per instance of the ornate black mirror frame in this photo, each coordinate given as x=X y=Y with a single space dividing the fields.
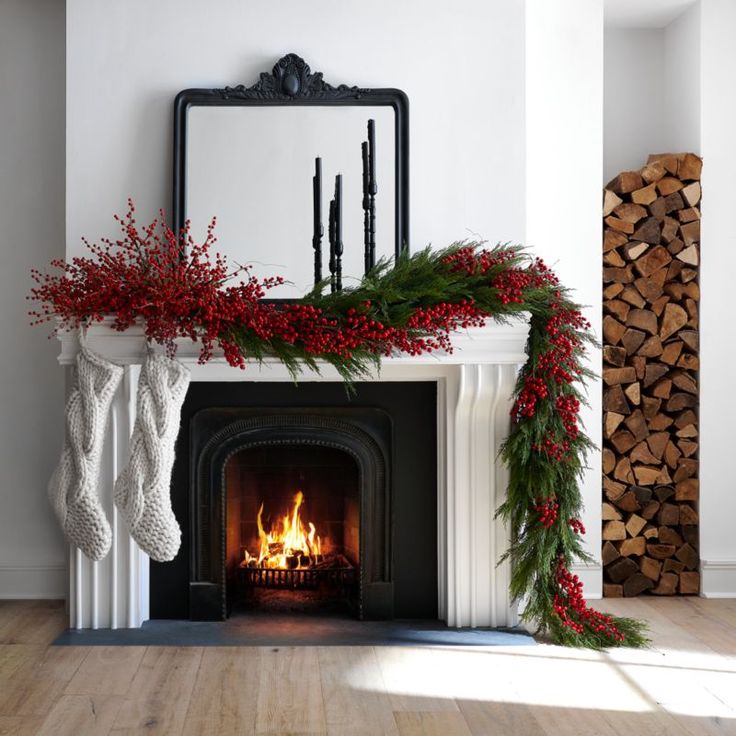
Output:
x=292 y=82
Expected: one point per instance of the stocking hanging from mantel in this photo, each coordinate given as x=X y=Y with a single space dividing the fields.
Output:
x=73 y=488
x=142 y=491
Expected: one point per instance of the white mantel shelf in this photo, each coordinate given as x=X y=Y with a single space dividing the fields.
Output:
x=474 y=383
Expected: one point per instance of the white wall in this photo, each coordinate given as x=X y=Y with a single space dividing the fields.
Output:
x=32 y=556
x=460 y=64
x=682 y=79
x=564 y=143
x=718 y=347
x=633 y=97
x=651 y=91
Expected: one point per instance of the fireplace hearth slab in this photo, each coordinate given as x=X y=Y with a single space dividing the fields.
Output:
x=260 y=630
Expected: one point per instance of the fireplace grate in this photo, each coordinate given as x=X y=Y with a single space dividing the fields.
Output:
x=299 y=579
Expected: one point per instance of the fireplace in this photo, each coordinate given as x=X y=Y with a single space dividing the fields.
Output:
x=448 y=416
x=299 y=499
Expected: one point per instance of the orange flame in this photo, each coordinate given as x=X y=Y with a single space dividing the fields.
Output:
x=289 y=543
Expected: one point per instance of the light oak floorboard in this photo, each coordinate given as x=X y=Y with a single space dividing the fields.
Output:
x=225 y=694
x=158 y=699
x=684 y=685
x=354 y=694
x=81 y=715
x=290 y=693
x=106 y=671
x=431 y=723
x=36 y=686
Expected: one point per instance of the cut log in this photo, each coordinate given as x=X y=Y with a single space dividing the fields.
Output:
x=615 y=530
x=630 y=212
x=637 y=584
x=688 y=515
x=627 y=181
x=609 y=553
x=650 y=567
x=631 y=339
x=640 y=454
x=660 y=551
x=608 y=460
x=687 y=490
x=612 y=591
x=646 y=475
x=653 y=171
x=652 y=373
x=666 y=586
x=652 y=261
x=668 y=184
x=633 y=393
x=688 y=556
x=612 y=239
x=614 y=355
x=609 y=512
x=621 y=569
x=651 y=348
x=673 y=319
x=634 y=525
x=634 y=547
x=649 y=231
x=671 y=352
x=668 y=161
x=691 y=194
x=621 y=225
x=613 y=330
x=645 y=195
x=657 y=443
x=614 y=400
x=610 y=201
x=690 y=232
x=690 y=167
x=630 y=295
x=646 y=320
x=615 y=376
x=689 y=583
x=667 y=535
x=689 y=255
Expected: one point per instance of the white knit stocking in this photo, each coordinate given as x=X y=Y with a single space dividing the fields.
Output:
x=73 y=488
x=142 y=492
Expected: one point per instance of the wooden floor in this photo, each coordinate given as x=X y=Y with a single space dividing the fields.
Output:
x=685 y=684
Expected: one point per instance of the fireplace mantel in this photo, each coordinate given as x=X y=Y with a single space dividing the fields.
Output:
x=475 y=383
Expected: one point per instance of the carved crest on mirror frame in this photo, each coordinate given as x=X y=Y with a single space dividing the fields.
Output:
x=291 y=78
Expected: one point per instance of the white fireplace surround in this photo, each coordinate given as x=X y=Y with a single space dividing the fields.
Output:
x=475 y=384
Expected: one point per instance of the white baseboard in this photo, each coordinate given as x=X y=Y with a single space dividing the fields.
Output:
x=718 y=578
x=591 y=575
x=33 y=582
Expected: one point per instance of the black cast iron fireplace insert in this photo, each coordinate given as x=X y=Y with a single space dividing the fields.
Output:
x=364 y=472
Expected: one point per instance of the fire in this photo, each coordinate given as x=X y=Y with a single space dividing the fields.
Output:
x=289 y=544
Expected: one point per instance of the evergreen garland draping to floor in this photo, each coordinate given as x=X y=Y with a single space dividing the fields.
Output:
x=177 y=289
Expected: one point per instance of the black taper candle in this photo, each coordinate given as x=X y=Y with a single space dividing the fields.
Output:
x=331 y=236
x=366 y=224
x=372 y=190
x=338 y=232
x=318 y=229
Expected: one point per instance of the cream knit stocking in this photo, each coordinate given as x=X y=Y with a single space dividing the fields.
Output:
x=142 y=492
x=73 y=488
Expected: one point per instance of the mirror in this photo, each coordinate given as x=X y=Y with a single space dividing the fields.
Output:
x=247 y=155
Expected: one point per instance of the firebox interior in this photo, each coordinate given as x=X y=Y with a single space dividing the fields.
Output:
x=293 y=528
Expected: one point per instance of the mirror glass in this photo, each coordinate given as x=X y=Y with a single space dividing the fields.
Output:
x=252 y=168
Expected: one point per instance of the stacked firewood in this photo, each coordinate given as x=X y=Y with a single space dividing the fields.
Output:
x=650 y=375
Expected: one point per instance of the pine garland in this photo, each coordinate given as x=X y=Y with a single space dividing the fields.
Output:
x=410 y=306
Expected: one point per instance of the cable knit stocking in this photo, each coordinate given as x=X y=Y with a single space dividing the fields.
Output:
x=142 y=492
x=73 y=488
